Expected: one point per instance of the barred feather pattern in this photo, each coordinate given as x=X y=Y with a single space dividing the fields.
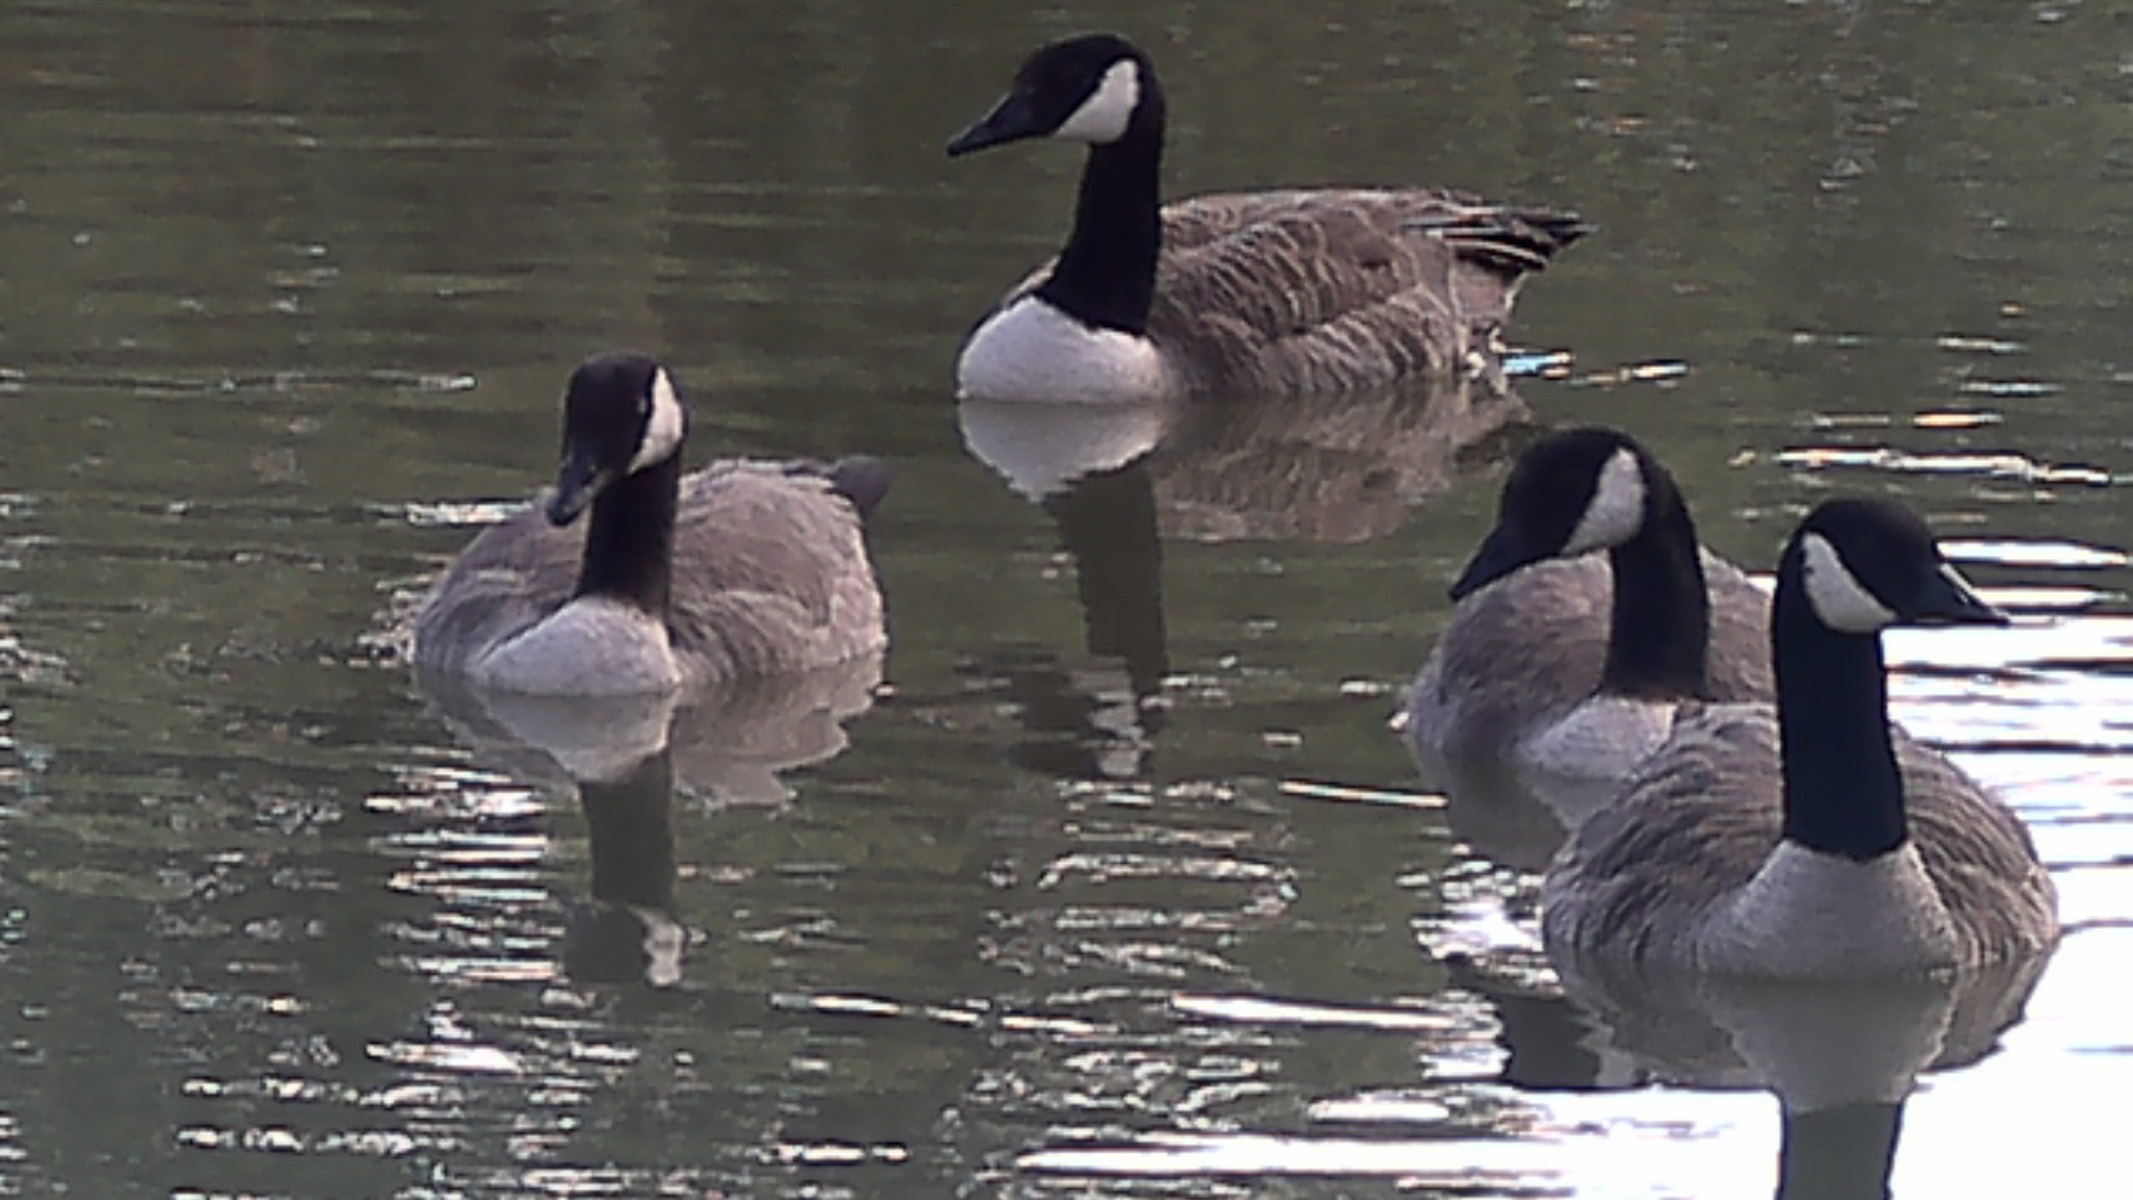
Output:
x=1341 y=288
x=771 y=576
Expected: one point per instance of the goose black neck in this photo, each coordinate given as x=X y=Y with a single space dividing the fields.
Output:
x=631 y=822
x=1660 y=628
x=1105 y=276
x=1107 y=522
x=1839 y=1153
x=1843 y=794
x=629 y=546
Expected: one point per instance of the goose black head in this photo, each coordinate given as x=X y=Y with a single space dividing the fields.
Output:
x=1571 y=492
x=1091 y=88
x=1867 y=564
x=622 y=414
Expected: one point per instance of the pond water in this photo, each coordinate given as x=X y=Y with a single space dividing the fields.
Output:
x=1118 y=883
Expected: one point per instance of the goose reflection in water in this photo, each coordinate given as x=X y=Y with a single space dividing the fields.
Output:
x=1842 y=1059
x=630 y=759
x=1118 y=479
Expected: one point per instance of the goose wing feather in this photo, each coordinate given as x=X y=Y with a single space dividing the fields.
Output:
x=1981 y=857
x=771 y=572
x=1690 y=826
x=1343 y=287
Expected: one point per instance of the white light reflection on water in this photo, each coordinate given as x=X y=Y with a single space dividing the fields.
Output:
x=2036 y=709
x=1675 y=1142
x=1646 y=1144
x=2010 y=465
x=2033 y=552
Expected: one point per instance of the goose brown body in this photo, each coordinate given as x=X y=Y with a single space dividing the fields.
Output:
x=748 y=568
x=1340 y=289
x=1282 y=291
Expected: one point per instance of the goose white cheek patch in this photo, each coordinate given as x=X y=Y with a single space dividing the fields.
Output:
x=664 y=428
x=1840 y=601
x=1616 y=509
x=1103 y=117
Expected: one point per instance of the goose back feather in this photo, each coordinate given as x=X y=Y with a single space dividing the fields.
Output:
x=1341 y=289
x=1522 y=653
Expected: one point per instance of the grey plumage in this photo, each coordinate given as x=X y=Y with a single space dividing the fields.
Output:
x=1340 y=289
x=1815 y=839
x=1521 y=653
x=771 y=576
x=1649 y=874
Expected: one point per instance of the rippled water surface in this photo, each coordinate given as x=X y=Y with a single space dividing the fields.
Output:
x=1116 y=883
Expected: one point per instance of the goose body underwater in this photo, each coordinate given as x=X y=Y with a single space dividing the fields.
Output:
x=1813 y=840
x=1275 y=292
x=1588 y=615
x=742 y=570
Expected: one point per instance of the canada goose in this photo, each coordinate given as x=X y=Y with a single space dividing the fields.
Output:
x=741 y=570
x=1279 y=291
x=1567 y=664
x=1812 y=840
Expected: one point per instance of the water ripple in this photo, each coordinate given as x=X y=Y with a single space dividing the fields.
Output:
x=2004 y=465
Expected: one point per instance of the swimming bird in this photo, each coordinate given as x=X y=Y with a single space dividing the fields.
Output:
x=1568 y=663
x=1298 y=290
x=1813 y=840
x=745 y=569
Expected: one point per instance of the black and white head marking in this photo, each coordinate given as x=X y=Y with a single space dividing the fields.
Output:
x=1572 y=492
x=1839 y=599
x=1108 y=110
x=1867 y=564
x=1615 y=511
x=665 y=423
x=1095 y=88
x=623 y=416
